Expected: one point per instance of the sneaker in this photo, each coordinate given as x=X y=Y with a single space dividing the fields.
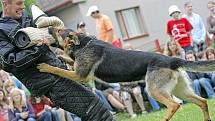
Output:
x=134 y=115
x=144 y=113
x=113 y=113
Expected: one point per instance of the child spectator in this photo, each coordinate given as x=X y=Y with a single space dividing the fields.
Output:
x=20 y=110
x=201 y=56
x=173 y=49
x=9 y=85
x=179 y=28
x=81 y=28
x=3 y=106
x=210 y=55
x=20 y=86
x=5 y=76
x=43 y=109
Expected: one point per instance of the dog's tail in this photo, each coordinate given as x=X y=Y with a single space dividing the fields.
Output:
x=193 y=66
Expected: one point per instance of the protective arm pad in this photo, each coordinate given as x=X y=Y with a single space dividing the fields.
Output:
x=30 y=36
x=49 y=21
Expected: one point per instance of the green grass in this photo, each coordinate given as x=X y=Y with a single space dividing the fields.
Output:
x=187 y=112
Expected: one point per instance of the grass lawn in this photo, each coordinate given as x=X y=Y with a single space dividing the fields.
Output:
x=187 y=112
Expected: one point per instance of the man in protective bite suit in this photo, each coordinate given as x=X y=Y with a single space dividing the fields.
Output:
x=22 y=62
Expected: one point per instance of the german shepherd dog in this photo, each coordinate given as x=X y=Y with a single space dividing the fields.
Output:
x=94 y=58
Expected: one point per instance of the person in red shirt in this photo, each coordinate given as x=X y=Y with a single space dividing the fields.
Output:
x=179 y=28
x=43 y=110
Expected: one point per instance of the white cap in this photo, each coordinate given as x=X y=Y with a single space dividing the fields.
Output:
x=173 y=8
x=92 y=9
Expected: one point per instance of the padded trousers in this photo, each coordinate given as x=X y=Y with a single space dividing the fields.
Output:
x=75 y=98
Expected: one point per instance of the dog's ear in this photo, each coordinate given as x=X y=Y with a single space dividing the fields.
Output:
x=73 y=36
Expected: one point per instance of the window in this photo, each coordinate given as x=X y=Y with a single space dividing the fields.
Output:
x=130 y=22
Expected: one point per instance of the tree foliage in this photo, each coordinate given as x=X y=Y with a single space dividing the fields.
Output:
x=27 y=4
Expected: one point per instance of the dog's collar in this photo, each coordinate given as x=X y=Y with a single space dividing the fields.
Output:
x=88 y=43
x=91 y=39
x=83 y=49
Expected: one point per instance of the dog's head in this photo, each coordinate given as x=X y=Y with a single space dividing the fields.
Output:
x=70 y=40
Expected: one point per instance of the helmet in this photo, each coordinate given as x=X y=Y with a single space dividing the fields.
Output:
x=173 y=8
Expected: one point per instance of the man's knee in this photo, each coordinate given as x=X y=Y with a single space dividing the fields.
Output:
x=136 y=91
x=203 y=81
x=31 y=119
x=195 y=82
x=46 y=114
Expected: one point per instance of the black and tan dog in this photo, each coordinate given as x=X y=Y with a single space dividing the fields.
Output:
x=163 y=76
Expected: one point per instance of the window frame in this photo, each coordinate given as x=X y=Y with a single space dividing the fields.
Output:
x=123 y=27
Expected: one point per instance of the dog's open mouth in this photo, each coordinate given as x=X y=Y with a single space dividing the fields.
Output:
x=73 y=38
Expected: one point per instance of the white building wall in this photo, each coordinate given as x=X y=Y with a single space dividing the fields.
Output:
x=154 y=14
x=70 y=16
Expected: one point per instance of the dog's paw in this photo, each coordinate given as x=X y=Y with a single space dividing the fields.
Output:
x=43 y=67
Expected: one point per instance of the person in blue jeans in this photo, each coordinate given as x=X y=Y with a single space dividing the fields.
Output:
x=205 y=83
x=43 y=109
x=48 y=116
x=91 y=86
x=103 y=99
x=199 y=79
x=154 y=104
